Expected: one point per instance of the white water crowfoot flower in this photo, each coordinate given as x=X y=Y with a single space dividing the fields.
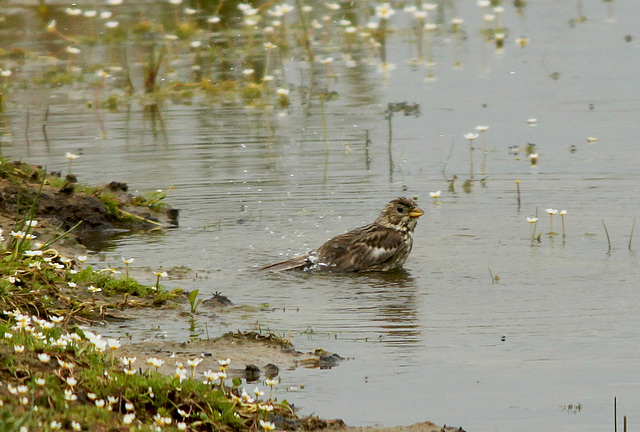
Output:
x=562 y=213
x=267 y=425
x=211 y=377
x=193 y=364
x=126 y=263
x=384 y=11
x=271 y=383
x=71 y=157
x=159 y=274
x=128 y=418
x=155 y=362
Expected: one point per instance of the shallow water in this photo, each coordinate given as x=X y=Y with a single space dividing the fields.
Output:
x=440 y=342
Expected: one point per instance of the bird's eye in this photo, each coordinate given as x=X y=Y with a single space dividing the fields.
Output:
x=400 y=210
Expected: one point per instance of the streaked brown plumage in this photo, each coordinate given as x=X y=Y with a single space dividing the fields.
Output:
x=381 y=246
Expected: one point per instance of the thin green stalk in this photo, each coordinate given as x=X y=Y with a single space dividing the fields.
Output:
x=58 y=238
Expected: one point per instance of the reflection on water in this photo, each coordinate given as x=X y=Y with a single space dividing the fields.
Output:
x=440 y=340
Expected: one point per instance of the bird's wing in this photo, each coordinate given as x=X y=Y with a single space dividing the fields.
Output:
x=364 y=248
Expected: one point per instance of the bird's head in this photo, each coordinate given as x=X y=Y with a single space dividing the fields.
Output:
x=400 y=214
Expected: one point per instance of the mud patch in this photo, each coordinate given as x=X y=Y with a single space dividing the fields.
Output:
x=253 y=355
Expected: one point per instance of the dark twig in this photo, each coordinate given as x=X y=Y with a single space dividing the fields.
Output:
x=607 y=233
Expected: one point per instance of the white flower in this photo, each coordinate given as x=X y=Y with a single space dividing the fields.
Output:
x=282 y=91
x=482 y=128
x=73 y=11
x=471 y=136
x=128 y=361
x=82 y=258
x=44 y=357
x=113 y=344
x=106 y=14
x=111 y=24
x=551 y=211
x=128 y=418
x=152 y=361
x=532 y=219
x=69 y=395
x=181 y=373
x=71 y=381
x=563 y=212
x=72 y=50
x=194 y=362
x=213 y=20
x=435 y=194
x=71 y=156
x=384 y=11
x=266 y=425
x=76 y=426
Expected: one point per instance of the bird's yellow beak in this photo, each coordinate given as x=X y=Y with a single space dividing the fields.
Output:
x=416 y=213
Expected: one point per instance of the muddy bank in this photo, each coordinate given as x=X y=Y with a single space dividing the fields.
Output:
x=61 y=204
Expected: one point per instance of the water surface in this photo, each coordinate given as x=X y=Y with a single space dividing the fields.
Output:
x=440 y=341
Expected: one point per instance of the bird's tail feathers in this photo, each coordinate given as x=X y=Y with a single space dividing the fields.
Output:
x=288 y=264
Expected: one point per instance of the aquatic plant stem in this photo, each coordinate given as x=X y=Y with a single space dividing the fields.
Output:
x=307 y=44
x=483 y=167
x=518 y=191
x=607 y=233
x=633 y=227
x=44 y=127
x=390 y=142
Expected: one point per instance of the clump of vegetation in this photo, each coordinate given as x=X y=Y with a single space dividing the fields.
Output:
x=74 y=380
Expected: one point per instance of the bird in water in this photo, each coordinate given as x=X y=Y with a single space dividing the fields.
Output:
x=381 y=246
